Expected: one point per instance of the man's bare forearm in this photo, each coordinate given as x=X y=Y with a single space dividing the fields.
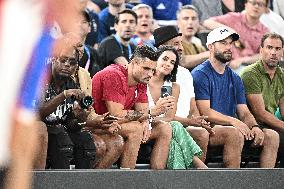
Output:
x=191 y=61
x=218 y=118
x=48 y=107
x=248 y=119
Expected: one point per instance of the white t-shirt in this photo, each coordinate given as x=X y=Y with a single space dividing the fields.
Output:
x=273 y=22
x=185 y=81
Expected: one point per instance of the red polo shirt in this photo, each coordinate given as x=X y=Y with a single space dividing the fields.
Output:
x=111 y=84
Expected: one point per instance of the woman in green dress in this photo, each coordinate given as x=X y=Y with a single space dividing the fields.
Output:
x=184 y=152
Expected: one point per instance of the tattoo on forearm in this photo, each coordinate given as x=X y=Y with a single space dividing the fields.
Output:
x=133 y=116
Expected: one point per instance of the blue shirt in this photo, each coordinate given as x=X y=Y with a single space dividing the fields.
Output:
x=165 y=9
x=224 y=91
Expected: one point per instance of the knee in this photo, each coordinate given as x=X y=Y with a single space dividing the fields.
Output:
x=165 y=130
x=233 y=135
x=118 y=143
x=100 y=146
x=202 y=135
x=136 y=130
x=271 y=137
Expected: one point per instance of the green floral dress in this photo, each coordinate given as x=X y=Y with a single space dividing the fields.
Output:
x=182 y=148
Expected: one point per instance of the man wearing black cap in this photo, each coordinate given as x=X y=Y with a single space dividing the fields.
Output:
x=220 y=95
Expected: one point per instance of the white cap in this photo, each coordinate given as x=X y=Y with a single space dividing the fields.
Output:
x=220 y=33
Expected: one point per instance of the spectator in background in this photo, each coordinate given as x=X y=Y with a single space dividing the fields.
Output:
x=248 y=25
x=89 y=58
x=134 y=2
x=278 y=7
x=264 y=85
x=95 y=5
x=220 y=95
x=273 y=21
x=232 y=6
x=117 y=49
x=107 y=17
x=143 y=34
x=100 y=5
x=92 y=35
x=188 y=24
x=165 y=10
x=213 y=8
x=121 y=91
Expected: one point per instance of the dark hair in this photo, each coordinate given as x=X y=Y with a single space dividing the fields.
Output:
x=272 y=36
x=172 y=76
x=145 y=51
x=86 y=16
x=187 y=7
x=125 y=11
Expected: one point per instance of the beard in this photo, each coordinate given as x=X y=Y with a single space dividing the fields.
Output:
x=222 y=58
x=126 y=38
x=272 y=65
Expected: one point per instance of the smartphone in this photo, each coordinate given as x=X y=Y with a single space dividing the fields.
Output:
x=166 y=91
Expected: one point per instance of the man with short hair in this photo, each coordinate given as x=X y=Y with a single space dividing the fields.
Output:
x=220 y=95
x=121 y=91
x=89 y=57
x=92 y=35
x=188 y=25
x=117 y=49
x=248 y=25
x=143 y=34
x=264 y=84
x=107 y=17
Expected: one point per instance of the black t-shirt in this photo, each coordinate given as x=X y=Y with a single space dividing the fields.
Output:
x=239 y=6
x=110 y=49
x=90 y=54
x=50 y=93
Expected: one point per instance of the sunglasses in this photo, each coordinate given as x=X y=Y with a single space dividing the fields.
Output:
x=260 y=4
x=70 y=60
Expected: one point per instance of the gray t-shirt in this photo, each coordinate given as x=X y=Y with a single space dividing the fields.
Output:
x=208 y=8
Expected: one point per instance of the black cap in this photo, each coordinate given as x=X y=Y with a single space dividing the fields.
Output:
x=164 y=34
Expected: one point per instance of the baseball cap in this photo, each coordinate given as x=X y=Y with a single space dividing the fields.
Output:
x=164 y=34
x=221 y=33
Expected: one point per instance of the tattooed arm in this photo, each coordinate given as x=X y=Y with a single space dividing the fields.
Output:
x=116 y=109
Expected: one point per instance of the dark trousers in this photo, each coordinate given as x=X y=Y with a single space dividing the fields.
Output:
x=64 y=147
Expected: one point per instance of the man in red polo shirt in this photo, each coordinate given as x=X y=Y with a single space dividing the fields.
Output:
x=122 y=91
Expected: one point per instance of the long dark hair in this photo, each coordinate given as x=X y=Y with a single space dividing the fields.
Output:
x=172 y=76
